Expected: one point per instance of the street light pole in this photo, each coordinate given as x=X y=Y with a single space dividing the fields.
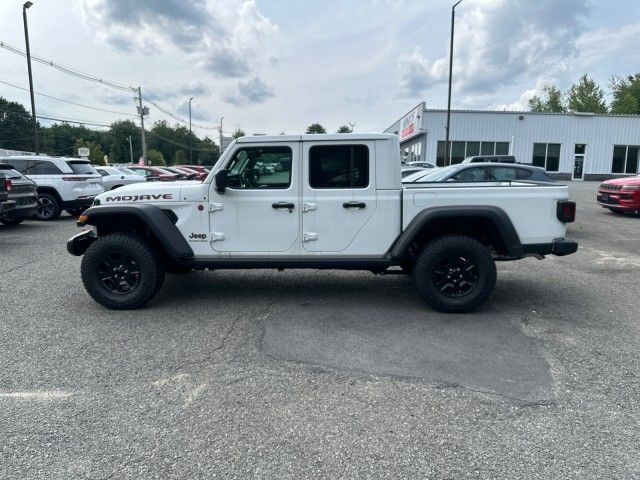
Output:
x=447 y=148
x=130 y=150
x=190 y=148
x=26 y=6
x=220 y=131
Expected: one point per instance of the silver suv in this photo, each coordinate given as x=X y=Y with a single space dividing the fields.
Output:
x=63 y=183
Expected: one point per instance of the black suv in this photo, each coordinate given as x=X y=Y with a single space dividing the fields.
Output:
x=22 y=191
x=6 y=205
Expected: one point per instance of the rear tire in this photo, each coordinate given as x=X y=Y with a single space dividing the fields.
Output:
x=11 y=222
x=49 y=207
x=122 y=271
x=617 y=211
x=455 y=274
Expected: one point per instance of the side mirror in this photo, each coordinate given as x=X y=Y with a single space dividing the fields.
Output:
x=222 y=180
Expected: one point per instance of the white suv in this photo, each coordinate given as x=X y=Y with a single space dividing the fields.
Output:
x=63 y=183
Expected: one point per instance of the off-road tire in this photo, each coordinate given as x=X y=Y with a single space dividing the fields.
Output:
x=143 y=257
x=11 y=222
x=49 y=207
x=446 y=250
x=75 y=212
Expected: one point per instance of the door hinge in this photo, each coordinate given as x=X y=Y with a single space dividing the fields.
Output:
x=308 y=206
x=216 y=236
x=309 y=237
x=215 y=207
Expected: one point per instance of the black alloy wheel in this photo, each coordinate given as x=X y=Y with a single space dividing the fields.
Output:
x=119 y=273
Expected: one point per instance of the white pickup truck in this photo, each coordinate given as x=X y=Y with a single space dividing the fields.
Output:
x=321 y=202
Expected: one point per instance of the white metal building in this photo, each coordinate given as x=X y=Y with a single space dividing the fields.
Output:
x=581 y=146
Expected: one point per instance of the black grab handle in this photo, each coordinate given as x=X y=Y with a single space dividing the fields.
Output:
x=354 y=205
x=288 y=206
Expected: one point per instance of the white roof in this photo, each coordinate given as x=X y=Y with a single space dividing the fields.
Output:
x=320 y=137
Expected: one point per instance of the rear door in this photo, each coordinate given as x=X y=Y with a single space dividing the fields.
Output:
x=339 y=194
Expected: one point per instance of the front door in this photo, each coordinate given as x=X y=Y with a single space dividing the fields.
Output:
x=578 y=166
x=259 y=211
x=339 y=194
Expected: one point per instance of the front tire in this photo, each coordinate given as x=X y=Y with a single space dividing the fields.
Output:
x=617 y=211
x=49 y=207
x=455 y=274
x=122 y=271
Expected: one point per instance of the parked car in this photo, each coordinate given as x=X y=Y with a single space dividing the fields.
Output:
x=6 y=205
x=620 y=195
x=182 y=173
x=153 y=173
x=419 y=164
x=113 y=177
x=63 y=183
x=22 y=191
x=490 y=159
x=489 y=172
x=203 y=171
x=406 y=171
x=200 y=175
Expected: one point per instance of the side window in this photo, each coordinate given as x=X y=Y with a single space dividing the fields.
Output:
x=260 y=167
x=523 y=174
x=476 y=174
x=104 y=173
x=339 y=166
x=43 y=167
x=19 y=165
x=504 y=174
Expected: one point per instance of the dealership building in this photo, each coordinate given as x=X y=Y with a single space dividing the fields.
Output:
x=580 y=146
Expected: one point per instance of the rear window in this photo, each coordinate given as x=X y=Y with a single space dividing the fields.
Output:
x=82 y=168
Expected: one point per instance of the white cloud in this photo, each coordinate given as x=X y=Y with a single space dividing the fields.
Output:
x=253 y=90
x=498 y=43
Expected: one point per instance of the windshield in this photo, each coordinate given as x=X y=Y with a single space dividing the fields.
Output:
x=82 y=168
x=432 y=175
x=127 y=171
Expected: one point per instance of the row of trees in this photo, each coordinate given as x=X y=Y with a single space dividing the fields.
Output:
x=166 y=144
x=587 y=96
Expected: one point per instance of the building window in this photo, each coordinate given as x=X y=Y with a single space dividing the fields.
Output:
x=461 y=150
x=625 y=159
x=547 y=156
x=339 y=166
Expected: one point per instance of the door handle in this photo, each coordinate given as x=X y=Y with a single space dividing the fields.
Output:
x=285 y=205
x=354 y=204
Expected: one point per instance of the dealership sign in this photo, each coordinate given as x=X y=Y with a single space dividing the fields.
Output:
x=410 y=123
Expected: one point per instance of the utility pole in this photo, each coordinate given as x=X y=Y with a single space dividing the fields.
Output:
x=142 y=111
x=447 y=148
x=220 y=131
x=36 y=145
x=130 y=150
x=190 y=147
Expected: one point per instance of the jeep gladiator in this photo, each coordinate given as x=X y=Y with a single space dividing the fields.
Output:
x=324 y=202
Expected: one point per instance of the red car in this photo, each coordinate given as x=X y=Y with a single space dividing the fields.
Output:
x=620 y=195
x=199 y=169
x=154 y=173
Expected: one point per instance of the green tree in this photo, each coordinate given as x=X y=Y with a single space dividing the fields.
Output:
x=550 y=102
x=119 y=141
x=155 y=158
x=96 y=154
x=16 y=128
x=345 y=129
x=586 y=96
x=238 y=133
x=316 y=128
x=624 y=89
x=179 y=158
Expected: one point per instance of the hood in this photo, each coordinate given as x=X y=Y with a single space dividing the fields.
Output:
x=623 y=181
x=152 y=192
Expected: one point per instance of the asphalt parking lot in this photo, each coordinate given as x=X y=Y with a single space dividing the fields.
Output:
x=306 y=374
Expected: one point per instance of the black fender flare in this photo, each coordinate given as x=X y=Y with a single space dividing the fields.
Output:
x=158 y=223
x=495 y=215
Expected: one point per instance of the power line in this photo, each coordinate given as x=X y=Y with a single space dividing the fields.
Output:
x=69 y=101
x=79 y=122
x=65 y=69
x=175 y=117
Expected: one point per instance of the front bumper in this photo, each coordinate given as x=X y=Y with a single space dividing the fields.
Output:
x=78 y=202
x=619 y=200
x=79 y=243
x=559 y=247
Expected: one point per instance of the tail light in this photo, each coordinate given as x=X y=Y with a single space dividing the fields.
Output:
x=566 y=211
x=8 y=186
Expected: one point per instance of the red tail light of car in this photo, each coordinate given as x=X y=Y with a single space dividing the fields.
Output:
x=8 y=186
x=566 y=211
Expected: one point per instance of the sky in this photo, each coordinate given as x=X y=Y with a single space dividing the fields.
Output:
x=274 y=66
